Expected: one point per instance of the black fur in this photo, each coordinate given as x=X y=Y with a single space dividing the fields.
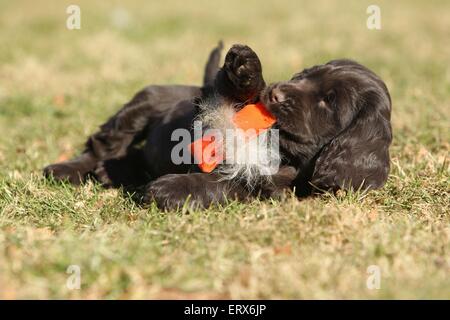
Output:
x=333 y=119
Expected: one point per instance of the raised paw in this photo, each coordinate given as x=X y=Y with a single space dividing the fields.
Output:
x=242 y=69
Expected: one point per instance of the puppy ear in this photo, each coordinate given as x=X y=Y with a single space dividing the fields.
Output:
x=358 y=157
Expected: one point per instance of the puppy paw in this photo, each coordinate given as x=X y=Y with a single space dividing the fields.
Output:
x=169 y=192
x=64 y=171
x=243 y=67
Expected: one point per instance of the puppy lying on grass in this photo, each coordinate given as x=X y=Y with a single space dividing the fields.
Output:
x=332 y=120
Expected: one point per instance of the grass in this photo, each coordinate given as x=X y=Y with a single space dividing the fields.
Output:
x=57 y=86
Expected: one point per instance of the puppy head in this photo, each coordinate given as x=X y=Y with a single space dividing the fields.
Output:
x=337 y=115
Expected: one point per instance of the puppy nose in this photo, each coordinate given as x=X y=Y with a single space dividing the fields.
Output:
x=276 y=95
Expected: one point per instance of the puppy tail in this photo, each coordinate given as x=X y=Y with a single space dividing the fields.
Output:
x=212 y=66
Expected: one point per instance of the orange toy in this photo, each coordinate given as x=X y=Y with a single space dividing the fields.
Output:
x=253 y=116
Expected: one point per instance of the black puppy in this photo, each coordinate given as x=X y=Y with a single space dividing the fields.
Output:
x=333 y=121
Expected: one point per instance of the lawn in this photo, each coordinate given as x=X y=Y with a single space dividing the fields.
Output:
x=57 y=85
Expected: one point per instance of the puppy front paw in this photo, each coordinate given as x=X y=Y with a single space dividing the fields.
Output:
x=170 y=192
x=166 y=193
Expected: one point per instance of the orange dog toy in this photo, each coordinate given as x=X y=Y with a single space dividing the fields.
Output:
x=253 y=119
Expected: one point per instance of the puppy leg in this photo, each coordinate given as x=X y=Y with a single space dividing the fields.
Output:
x=240 y=79
x=129 y=171
x=125 y=128
x=202 y=189
x=73 y=171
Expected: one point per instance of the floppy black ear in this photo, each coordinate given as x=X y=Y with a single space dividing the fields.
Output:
x=359 y=156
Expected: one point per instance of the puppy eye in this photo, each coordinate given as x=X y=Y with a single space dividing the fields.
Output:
x=330 y=97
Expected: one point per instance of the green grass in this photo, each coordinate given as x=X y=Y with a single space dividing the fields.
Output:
x=57 y=86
